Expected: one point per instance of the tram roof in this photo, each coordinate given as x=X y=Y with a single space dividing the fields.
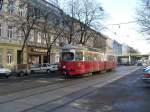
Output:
x=69 y=46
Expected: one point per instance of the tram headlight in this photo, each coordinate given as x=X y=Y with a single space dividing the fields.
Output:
x=64 y=67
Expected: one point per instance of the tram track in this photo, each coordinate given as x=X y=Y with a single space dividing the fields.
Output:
x=73 y=96
x=54 y=86
x=69 y=98
x=56 y=93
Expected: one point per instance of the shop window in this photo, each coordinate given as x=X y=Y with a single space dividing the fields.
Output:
x=1 y=57
x=10 y=56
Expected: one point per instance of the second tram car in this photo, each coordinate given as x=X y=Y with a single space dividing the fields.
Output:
x=77 y=61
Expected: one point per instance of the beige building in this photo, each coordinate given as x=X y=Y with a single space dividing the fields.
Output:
x=109 y=46
x=11 y=38
x=100 y=42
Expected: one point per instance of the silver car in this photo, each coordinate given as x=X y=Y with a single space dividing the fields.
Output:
x=43 y=68
x=5 y=71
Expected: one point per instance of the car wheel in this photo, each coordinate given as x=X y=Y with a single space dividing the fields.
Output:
x=21 y=74
x=32 y=72
x=7 y=76
x=48 y=71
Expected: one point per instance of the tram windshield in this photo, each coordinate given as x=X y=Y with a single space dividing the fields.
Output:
x=68 y=56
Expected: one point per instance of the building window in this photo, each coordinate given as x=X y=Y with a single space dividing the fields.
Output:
x=52 y=38
x=20 y=12
x=1 y=56
x=57 y=42
x=10 y=56
x=10 y=32
x=10 y=6
x=45 y=38
x=39 y=37
x=0 y=30
x=32 y=36
x=20 y=34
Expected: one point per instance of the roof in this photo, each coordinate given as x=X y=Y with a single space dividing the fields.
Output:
x=79 y=47
x=69 y=46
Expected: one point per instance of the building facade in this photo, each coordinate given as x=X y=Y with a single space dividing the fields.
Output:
x=11 y=38
x=117 y=48
x=109 y=46
x=100 y=42
x=12 y=33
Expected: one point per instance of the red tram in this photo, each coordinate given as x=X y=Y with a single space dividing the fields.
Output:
x=77 y=60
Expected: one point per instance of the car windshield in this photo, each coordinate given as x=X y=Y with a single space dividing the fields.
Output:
x=36 y=66
x=67 y=56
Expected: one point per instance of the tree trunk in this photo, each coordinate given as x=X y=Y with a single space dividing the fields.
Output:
x=49 y=55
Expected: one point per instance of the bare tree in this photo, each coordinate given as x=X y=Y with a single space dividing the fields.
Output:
x=52 y=28
x=143 y=16
x=69 y=20
x=86 y=15
x=24 y=23
x=69 y=24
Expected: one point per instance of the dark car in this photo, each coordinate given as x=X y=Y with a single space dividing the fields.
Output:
x=139 y=64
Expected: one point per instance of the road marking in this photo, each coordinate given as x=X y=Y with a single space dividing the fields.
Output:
x=138 y=78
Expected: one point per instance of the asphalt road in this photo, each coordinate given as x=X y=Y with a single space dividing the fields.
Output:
x=97 y=93
x=129 y=94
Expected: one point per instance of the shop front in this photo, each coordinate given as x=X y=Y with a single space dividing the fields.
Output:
x=38 y=55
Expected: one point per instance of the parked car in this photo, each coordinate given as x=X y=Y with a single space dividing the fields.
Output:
x=5 y=71
x=54 y=67
x=146 y=76
x=21 y=70
x=146 y=68
x=139 y=64
x=43 y=68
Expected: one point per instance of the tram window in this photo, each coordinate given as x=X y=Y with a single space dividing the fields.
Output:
x=100 y=58
x=88 y=56
x=95 y=57
x=85 y=56
x=111 y=58
x=67 y=56
x=79 y=56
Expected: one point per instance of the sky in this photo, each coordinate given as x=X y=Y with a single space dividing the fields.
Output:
x=124 y=11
